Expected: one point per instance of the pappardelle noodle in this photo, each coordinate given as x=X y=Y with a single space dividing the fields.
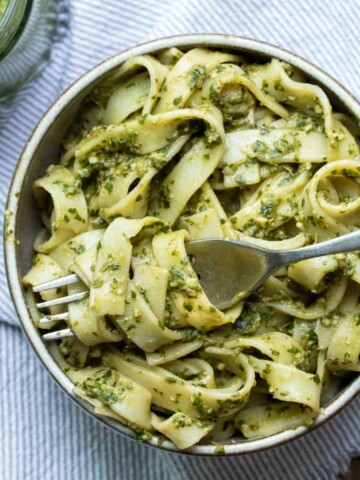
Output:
x=183 y=146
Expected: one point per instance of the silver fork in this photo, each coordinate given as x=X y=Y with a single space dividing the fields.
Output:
x=58 y=282
x=228 y=270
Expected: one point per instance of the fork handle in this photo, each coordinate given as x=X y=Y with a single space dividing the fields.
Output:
x=346 y=243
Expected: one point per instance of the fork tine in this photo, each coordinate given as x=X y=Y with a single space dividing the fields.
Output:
x=62 y=300
x=58 y=282
x=59 y=335
x=54 y=318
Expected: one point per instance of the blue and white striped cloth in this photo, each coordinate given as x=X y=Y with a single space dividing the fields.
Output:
x=43 y=436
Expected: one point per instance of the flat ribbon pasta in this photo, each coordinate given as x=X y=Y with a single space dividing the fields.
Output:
x=187 y=145
x=186 y=291
x=69 y=216
x=323 y=211
x=140 y=91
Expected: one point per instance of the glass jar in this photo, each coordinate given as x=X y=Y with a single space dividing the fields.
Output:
x=26 y=31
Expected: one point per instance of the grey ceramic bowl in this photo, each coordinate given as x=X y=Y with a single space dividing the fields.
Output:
x=43 y=148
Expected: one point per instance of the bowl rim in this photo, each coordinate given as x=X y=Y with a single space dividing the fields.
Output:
x=231 y=42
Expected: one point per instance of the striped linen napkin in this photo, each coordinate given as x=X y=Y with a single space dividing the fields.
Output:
x=43 y=435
